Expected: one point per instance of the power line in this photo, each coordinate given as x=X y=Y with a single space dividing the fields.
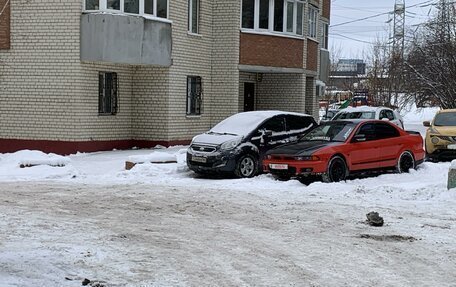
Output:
x=350 y=38
x=384 y=13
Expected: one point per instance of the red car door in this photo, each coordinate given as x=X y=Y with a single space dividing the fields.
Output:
x=363 y=154
x=390 y=144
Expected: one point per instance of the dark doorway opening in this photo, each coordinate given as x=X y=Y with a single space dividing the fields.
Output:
x=249 y=97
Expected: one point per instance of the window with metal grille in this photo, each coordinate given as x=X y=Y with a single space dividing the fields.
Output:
x=107 y=93
x=194 y=95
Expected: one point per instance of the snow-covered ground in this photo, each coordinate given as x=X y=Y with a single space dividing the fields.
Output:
x=160 y=225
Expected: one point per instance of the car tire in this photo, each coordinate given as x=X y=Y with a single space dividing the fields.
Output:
x=405 y=162
x=337 y=170
x=246 y=166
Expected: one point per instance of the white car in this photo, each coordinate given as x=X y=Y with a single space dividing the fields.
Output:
x=365 y=112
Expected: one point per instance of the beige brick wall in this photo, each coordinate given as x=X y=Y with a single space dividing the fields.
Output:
x=45 y=91
x=311 y=102
x=281 y=92
x=225 y=58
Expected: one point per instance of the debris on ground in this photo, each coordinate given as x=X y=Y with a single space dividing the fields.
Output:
x=374 y=219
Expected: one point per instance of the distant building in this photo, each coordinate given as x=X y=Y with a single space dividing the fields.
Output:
x=347 y=74
x=349 y=67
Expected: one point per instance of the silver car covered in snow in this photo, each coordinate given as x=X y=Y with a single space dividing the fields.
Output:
x=238 y=143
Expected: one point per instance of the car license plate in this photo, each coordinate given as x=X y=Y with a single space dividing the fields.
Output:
x=278 y=166
x=451 y=146
x=199 y=159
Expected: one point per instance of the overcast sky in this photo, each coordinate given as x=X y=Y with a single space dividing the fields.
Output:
x=353 y=39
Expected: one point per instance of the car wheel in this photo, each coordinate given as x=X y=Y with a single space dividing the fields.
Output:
x=405 y=162
x=337 y=170
x=247 y=166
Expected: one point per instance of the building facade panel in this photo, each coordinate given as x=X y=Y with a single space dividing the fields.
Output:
x=274 y=51
x=326 y=8
x=312 y=55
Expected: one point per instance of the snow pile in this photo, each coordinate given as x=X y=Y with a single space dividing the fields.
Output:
x=154 y=157
x=33 y=158
x=453 y=164
x=412 y=114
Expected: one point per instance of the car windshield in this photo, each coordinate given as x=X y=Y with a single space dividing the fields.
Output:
x=355 y=115
x=445 y=119
x=330 y=131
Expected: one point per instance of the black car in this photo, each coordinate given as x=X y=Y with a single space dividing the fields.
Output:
x=238 y=143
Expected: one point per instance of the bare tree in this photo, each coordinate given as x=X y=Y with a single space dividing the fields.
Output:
x=430 y=69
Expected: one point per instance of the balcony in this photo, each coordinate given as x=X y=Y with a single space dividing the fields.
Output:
x=125 y=39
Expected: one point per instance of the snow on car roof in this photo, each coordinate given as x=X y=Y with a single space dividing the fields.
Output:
x=243 y=123
x=362 y=109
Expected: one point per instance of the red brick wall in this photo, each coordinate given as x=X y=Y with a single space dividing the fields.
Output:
x=4 y=25
x=326 y=8
x=312 y=55
x=272 y=51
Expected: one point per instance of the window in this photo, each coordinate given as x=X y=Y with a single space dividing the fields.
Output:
x=386 y=114
x=299 y=18
x=264 y=15
x=313 y=16
x=248 y=10
x=283 y=16
x=324 y=36
x=368 y=130
x=194 y=95
x=162 y=8
x=278 y=15
x=92 y=4
x=107 y=93
x=149 y=7
x=131 y=6
x=384 y=131
x=276 y=124
x=296 y=123
x=193 y=16
x=157 y=8
x=113 y=4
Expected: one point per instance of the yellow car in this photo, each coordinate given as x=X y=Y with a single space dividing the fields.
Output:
x=440 y=142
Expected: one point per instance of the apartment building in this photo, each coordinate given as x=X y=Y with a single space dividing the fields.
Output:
x=101 y=74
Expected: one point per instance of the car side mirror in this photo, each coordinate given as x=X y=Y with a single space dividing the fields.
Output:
x=265 y=134
x=359 y=138
x=427 y=123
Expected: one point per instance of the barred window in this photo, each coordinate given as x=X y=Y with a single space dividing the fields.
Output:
x=107 y=93
x=194 y=95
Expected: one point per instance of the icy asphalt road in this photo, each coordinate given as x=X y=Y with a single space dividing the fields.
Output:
x=57 y=234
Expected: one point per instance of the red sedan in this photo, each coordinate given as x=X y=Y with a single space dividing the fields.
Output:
x=337 y=149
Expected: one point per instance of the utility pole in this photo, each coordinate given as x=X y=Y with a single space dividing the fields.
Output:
x=397 y=51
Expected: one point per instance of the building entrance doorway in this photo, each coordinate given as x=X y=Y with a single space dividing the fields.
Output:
x=249 y=97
